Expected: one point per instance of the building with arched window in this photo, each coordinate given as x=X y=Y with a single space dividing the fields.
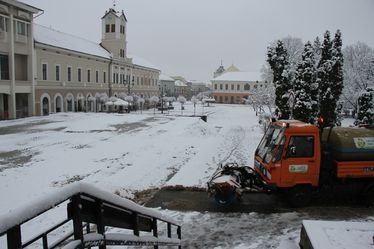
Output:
x=233 y=86
x=45 y=71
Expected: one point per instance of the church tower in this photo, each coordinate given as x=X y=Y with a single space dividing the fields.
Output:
x=114 y=33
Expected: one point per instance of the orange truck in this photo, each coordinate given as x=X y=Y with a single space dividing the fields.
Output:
x=300 y=159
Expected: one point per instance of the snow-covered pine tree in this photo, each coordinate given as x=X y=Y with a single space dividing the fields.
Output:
x=337 y=71
x=304 y=80
x=317 y=50
x=277 y=59
x=365 y=113
x=326 y=97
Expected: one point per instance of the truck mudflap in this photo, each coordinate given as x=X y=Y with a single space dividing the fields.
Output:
x=230 y=181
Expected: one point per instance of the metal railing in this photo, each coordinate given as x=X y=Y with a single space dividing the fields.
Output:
x=93 y=216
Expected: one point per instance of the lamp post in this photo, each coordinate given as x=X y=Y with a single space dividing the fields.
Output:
x=162 y=98
x=130 y=84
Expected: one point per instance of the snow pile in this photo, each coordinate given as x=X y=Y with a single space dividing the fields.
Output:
x=342 y=235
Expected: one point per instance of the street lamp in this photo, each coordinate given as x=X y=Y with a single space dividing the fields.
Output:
x=162 y=98
x=130 y=84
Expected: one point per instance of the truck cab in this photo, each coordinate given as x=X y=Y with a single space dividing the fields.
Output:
x=289 y=155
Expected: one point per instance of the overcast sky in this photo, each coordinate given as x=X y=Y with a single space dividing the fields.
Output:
x=191 y=37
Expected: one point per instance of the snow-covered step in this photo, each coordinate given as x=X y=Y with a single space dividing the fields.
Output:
x=336 y=235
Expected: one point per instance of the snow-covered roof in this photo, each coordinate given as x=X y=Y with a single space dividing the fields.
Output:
x=51 y=37
x=239 y=76
x=59 y=39
x=142 y=62
x=166 y=78
x=179 y=83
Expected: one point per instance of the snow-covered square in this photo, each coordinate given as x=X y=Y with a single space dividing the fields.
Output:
x=126 y=153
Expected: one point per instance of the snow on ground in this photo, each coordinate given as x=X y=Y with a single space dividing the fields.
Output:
x=123 y=153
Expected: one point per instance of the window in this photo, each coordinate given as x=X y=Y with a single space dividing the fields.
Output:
x=44 y=71
x=247 y=87
x=4 y=67
x=107 y=28
x=227 y=87
x=97 y=76
x=79 y=74
x=21 y=28
x=88 y=75
x=137 y=80
x=104 y=77
x=238 y=87
x=301 y=146
x=122 y=53
x=215 y=86
x=113 y=28
x=141 y=81
x=114 y=78
x=220 y=86
x=69 y=73
x=121 y=78
x=3 y=24
x=232 y=87
x=57 y=72
x=117 y=78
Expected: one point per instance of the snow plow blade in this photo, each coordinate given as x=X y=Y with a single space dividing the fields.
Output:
x=229 y=181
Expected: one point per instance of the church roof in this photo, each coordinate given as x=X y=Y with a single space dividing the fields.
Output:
x=239 y=76
x=221 y=69
x=232 y=68
x=109 y=11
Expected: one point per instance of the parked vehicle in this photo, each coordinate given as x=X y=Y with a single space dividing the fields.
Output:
x=300 y=159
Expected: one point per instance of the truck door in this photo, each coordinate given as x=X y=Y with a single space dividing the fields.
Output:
x=299 y=162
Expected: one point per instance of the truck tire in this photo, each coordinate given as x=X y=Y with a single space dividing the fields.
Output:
x=300 y=196
x=368 y=195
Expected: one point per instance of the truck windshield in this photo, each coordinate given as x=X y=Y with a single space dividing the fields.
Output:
x=269 y=142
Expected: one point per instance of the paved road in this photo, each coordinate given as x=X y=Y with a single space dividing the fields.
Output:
x=184 y=200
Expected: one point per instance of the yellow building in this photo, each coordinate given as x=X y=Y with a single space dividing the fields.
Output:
x=233 y=86
x=46 y=71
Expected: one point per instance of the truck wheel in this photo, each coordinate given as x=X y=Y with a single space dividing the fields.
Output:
x=368 y=195
x=300 y=196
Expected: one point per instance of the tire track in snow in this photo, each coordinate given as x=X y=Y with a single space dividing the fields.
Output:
x=231 y=147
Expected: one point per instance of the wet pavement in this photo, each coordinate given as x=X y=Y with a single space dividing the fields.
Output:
x=186 y=200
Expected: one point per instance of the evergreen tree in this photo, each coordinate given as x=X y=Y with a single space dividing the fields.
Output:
x=365 y=113
x=330 y=77
x=317 y=50
x=326 y=97
x=277 y=59
x=337 y=70
x=305 y=103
